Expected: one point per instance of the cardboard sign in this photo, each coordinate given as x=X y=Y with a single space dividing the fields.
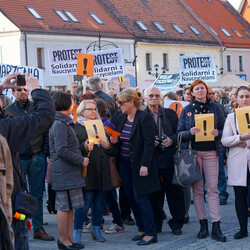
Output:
x=243 y=119
x=95 y=131
x=194 y=67
x=108 y=63
x=177 y=106
x=205 y=122
x=85 y=64
x=63 y=61
x=112 y=133
x=74 y=112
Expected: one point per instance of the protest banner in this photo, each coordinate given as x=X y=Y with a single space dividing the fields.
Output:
x=108 y=63
x=177 y=106
x=194 y=67
x=85 y=64
x=63 y=61
x=243 y=119
x=95 y=131
x=167 y=82
x=205 y=122
x=75 y=107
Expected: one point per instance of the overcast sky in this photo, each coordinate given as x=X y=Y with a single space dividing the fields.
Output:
x=235 y=3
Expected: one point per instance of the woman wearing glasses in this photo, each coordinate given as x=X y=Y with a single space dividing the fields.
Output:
x=238 y=160
x=139 y=178
x=98 y=178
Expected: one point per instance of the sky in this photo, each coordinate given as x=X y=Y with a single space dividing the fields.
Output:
x=235 y=3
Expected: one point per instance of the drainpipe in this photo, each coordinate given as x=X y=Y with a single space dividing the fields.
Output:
x=221 y=60
x=134 y=63
x=26 y=50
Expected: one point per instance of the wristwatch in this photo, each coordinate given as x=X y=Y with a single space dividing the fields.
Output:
x=241 y=138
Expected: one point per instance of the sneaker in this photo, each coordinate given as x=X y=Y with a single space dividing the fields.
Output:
x=87 y=221
x=223 y=200
x=88 y=228
x=129 y=221
x=114 y=228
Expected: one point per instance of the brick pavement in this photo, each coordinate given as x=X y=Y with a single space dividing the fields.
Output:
x=166 y=240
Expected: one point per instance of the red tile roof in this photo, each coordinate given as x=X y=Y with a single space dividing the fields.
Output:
x=166 y=13
x=52 y=23
x=219 y=13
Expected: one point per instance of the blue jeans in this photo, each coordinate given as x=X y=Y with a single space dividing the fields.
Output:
x=114 y=208
x=222 y=180
x=94 y=199
x=21 y=234
x=139 y=204
x=35 y=169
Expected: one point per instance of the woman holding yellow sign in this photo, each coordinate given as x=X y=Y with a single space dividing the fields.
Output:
x=205 y=139
x=238 y=140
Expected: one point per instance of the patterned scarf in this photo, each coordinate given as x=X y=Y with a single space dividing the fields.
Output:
x=200 y=107
x=81 y=120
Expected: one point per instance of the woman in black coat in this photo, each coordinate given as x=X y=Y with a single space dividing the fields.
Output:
x=98 y=179
x=139 y=177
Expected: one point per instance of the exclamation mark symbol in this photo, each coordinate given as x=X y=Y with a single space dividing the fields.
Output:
x=96 y=132
x=205 y=127
x=248 y=120
x=85 y=62
x=176 y=107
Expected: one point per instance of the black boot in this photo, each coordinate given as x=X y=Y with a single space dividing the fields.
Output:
x=216 y=232
x=203 y=230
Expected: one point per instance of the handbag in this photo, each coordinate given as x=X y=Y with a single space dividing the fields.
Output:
x=25 y=204
x=186 y=167
x=115 y=177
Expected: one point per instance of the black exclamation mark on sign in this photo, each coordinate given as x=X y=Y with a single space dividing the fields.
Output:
x=248 y=120
x=85 y=62
x=96 y=132
x=176 y=107
x=205 y=127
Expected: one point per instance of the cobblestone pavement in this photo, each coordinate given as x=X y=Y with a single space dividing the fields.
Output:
x=166 y=240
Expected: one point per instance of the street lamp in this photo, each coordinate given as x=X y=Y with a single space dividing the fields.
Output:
x=156 y=69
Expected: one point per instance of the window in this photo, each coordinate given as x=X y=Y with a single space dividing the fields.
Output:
x=241 y=63
x=99 y=21
x=159 y=26
x=60 y=14
x=229 y=67
x=40 y=58
x=141 y=25
x=196 y=32
x=225 y=32
x=246 y=33
x=34 y=13
x=165 y=61
x=178 y=28
x=213 y=31
x=237 y=33
x=148 y=61
x=71 y=16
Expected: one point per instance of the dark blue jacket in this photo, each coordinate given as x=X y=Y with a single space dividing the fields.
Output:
x=186 y=122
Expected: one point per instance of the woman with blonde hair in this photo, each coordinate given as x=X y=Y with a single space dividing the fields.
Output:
x=135 y=152
x=98 y=178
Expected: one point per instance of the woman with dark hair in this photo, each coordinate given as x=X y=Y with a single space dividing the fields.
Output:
x=67 y=165
x=238 y=160
x=139 y=176
x=207 y=156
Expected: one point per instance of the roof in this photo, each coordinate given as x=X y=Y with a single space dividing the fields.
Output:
x=165 y=13
x=52 y=23
x=244 y=9
x=229 y=80
x=220 y=14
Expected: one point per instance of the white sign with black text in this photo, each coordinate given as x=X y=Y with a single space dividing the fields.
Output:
x=63 y=61
x=194 y=67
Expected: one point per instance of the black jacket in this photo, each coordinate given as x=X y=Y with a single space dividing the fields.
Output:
x=20 y=130
x=141 y=147
x=167 y=122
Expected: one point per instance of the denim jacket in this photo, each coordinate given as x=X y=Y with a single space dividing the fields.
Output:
x=186 y=122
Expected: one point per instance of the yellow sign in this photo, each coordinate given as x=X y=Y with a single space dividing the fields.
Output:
x=95 y=131
x=243 y=119
x=205 y=122
x=85 y=64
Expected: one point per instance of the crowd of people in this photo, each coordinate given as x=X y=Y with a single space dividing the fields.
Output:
x=45 y=140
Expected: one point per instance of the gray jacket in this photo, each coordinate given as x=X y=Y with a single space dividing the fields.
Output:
x=65 y=155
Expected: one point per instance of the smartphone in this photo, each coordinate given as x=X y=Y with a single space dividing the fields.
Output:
x=21 y=80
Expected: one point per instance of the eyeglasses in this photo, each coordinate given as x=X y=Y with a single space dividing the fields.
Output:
x=211 y=93
x=152 y=96
x=122 y=102
x=89 y=109
x=19 y=90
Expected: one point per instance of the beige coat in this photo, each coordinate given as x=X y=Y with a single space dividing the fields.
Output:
x=237 y=160
x=6 y=186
